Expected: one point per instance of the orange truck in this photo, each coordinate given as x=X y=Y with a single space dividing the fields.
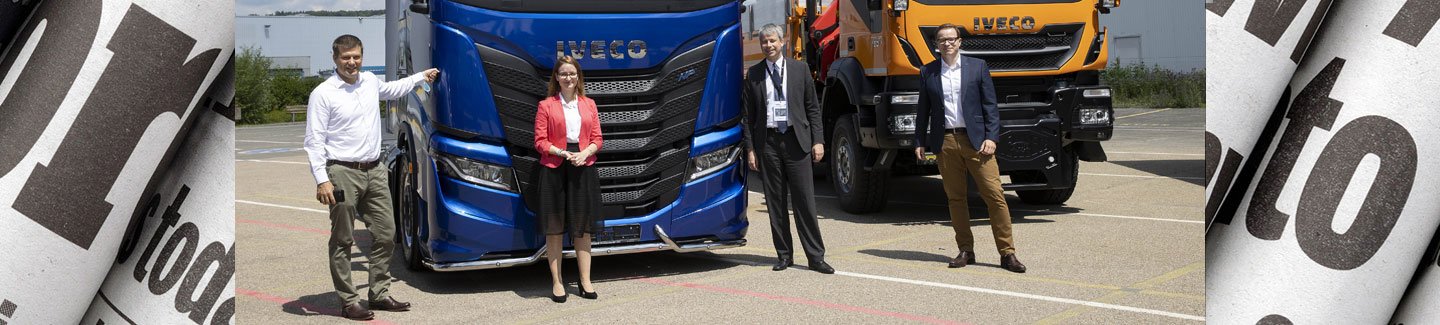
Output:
x=1045 y=57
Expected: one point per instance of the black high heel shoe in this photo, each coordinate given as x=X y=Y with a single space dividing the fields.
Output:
x=586 y=294
x=559 y=299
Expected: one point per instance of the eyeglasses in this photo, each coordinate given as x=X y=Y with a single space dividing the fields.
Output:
x=568 y=74
x=947 y=40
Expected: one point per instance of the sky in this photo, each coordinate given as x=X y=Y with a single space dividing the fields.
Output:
x=263 y=7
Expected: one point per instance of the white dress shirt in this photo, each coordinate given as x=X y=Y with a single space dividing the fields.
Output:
x=950 y=84
x=779 y=67
x=572 y=119
x=342 y=121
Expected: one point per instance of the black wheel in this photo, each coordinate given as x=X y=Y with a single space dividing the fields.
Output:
x=860 y=191
x=407 y=212
x=1055 y=196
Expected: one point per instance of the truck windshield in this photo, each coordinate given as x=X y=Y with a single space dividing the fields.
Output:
x=596 y=6
x=989 y=2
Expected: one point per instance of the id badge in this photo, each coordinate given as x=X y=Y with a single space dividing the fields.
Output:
x=782 y=114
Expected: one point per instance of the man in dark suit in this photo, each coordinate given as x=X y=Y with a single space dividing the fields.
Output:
x=782 y=122
x=958 y=120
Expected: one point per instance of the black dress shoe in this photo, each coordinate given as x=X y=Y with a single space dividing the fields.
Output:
x=589 y=294
x=389 y=304
x=965 y=257
x=1009 y=262
x=356 y=312
x=559 y=299
x=782 y=265
x=822 y=267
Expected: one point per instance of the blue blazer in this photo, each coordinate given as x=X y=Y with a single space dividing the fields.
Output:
x=977 y=104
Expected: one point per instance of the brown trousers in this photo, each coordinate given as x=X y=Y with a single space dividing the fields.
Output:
x=957 y=160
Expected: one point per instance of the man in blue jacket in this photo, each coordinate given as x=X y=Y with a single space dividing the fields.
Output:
x=957 y=119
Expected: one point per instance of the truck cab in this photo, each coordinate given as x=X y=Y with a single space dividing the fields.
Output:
x=1045 y=57
x=665 y=76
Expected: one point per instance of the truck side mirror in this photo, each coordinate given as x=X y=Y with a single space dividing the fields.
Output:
x=420 y=7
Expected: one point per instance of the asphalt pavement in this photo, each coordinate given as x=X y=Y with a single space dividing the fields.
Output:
x=1127 y=248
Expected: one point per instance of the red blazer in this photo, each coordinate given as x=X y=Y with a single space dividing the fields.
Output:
x=550 y=129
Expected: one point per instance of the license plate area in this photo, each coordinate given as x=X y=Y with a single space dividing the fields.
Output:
x=618 y=234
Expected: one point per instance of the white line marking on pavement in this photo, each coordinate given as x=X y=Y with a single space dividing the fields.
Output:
x=272 y=126
x=1156 y=153
x=1038 y=211
x=1122 y=127
x=980 y=290
x=1024 y=295
x=926 y=283
x=1143 y=176
x=282 y=206
x=274 y=161
x=1138 y=114
x=262 y=141
x=1110 y=216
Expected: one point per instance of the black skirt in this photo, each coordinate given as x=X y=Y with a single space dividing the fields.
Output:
x=569 y=198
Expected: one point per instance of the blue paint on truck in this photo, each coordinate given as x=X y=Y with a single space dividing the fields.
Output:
x=666 y=76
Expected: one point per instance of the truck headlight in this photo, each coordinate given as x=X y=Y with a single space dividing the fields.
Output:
x=902 y=123
x=904 y=99
x=713 y=161
x=1109 y=3
x=1094 y=116
x=473 y=171
x=1096 y=93
x=901 y=5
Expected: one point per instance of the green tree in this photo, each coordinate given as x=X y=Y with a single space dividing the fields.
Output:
x=253 y=95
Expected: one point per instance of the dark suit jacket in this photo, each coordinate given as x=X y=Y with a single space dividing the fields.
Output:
x=977 y=105
x=804 y=106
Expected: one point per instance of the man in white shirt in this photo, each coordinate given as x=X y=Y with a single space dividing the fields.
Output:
x=957 y=119
x=342 y=138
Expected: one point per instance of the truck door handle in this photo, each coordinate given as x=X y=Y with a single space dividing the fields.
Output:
x=850 y=43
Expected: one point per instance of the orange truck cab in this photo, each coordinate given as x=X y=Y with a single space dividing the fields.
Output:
x=1045 y=57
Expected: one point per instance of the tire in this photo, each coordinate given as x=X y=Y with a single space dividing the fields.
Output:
x=859 y=191
x=1055 y=196
x=406 y=212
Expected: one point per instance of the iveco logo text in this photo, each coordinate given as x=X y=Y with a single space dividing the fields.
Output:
x=1004 y=23
x=600 y=49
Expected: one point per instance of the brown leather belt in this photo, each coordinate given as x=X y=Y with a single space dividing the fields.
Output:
x=959 y=131
x=355 y=165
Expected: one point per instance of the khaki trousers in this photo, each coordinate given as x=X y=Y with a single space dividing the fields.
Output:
x=367 y=196
x=957 y=160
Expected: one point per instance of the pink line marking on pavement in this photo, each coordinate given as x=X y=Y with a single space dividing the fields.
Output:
x=804 y=301
x=297 y=303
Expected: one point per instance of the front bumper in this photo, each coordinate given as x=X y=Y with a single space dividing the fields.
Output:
x=1033 y=135
x=666 y=244
x=475 y=227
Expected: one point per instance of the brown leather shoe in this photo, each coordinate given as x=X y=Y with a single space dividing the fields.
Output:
x=356 y=312
x=964 y=258
x=389 y=304
x=1009 y=262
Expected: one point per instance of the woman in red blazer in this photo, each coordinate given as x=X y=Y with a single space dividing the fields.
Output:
x=567 y=135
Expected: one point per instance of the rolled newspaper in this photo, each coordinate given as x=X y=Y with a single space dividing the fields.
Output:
x=1252 y=50
x=97 y=99
x=1338 y=218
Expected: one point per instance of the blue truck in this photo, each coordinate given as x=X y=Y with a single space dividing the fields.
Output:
x=666 y=76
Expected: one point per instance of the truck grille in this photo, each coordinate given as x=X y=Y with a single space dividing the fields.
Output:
x=647 y=119
x=1047 y=49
